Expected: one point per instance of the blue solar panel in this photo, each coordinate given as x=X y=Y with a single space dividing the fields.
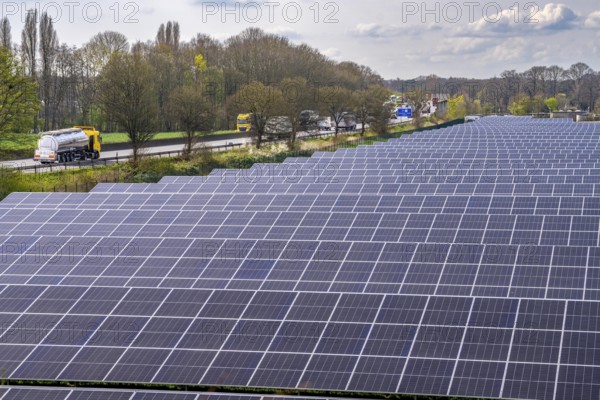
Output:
x=456 y=262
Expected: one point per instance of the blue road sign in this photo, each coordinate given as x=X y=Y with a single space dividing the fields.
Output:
x=405 y=112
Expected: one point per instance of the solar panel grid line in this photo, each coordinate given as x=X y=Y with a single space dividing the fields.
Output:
x=184 y=334
x=320 y=339
x=351 y=224
x=212 y=258
x=12 y=264
x=368 y=280
x=221 y=348
x=276 y=333
x=89 y=338
x=560 y=348
x=304 y=271
x=570 y=231
x=512 y=339
x=47 y=334
x=59 y=252
x=242 y=259
x=117 y=253
x=464 y=336
x=174 y=264
x=343 y=261
x=412 y=344
x=549 y=275
x=477 y=271
x=411 y=263
x=587 y=273
x=512 y=274
x=364 y=345
x=134 y=338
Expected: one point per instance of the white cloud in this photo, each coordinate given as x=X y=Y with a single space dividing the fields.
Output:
x=552 y=17
x=458 y=46
x=284 y=31
x=593 y=20
x=509 y=51
x=379 y=31
x=332 y=52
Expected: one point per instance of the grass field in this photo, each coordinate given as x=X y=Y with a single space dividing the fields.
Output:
x=113 y=138
x=13 y=146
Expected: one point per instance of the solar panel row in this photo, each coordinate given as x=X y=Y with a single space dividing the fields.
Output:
x=39 y=393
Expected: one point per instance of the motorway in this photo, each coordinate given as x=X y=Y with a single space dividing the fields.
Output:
x=124 y=153
x=127 y=152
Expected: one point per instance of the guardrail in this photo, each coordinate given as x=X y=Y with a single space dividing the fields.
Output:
x=113 y=160
x=43 y=168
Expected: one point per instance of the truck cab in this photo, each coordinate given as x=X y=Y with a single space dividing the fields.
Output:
x=95 y=139
x=244 y=123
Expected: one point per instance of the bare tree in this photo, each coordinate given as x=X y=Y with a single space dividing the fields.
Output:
x=555 y=73
x=64 y=107
x=105 y=44
x=29 y=46
x=418 y=99
x=262 y=101
x=91 y=60
x=511 y=86
x=591 y=84
x=576 y=73
x=176 y=35
x=296 y=98
x=128 y=97
x=335 y=101
x=29 y=42
x=160 y=36
x=535 y=78
x=370 y=105
x=191 y=109
x=5 y=34
x=48 y=52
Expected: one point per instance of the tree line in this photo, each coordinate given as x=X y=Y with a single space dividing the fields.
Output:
x=539 y=89
x=168 y=84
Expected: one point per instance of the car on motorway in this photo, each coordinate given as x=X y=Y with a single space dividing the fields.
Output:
x=473 y=118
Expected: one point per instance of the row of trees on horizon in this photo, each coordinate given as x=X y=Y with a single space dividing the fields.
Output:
x=539 y=89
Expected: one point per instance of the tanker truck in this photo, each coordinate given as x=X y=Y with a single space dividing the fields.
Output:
x=78 y=143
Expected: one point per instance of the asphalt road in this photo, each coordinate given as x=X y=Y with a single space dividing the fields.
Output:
x=158 y=149
x=126 y=152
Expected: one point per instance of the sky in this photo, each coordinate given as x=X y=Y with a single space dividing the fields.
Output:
x=398 y=39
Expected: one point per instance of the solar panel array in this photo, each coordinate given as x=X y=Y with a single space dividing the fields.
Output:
x=41 y=393
x=463 y=261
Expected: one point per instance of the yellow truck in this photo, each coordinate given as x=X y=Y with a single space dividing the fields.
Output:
x=65 y=145
x=244 y=123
